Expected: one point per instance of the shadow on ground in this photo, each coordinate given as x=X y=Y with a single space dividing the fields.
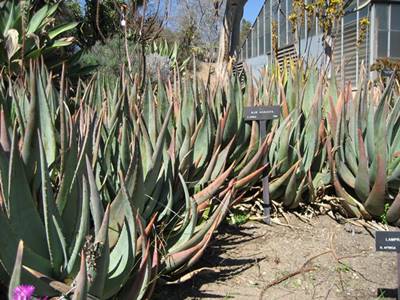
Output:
x=218 y=268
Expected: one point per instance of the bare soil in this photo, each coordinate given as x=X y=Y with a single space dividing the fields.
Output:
x=320 y=260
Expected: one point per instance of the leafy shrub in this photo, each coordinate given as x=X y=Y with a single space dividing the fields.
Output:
x=157 y=64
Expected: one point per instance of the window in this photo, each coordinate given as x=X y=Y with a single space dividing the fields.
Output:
x=267 y=27
x=261 y=33
x=395 y=30
x=382 y=16
x=282 y=24
x=248 y=44
x=395 y=17
x=351 y=17
x=395 y=44
x=388 y=30
x=382 y=20
x=364 y=12
x=254 y=42
x=382 y=43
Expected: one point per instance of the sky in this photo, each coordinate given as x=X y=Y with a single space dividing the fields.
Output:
x=252 y=9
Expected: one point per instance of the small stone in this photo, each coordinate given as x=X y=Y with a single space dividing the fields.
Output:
x=252 y=282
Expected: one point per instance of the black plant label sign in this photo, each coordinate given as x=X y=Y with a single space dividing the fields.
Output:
x=261 y=113
x=388 y=241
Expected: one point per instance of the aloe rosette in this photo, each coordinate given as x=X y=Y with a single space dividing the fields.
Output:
x=364 y=147
x=296 y=154
x=54 y=191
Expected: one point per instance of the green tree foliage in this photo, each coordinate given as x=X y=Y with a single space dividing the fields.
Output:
x=28 y=32
x=109 y=56
x=99 y=20
x=244 y=31
x=197 y=27
x=106 y=23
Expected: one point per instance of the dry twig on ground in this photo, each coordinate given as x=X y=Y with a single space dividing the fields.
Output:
x=302 y=270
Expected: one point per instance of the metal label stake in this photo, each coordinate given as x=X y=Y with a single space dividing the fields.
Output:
x=262 y=114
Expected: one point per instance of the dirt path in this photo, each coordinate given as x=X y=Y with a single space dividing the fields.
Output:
x=244 y=260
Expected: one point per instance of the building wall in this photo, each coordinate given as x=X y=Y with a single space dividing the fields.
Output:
x=259 y=40
x=350 y=52
x=256 y=64
x=256 y=50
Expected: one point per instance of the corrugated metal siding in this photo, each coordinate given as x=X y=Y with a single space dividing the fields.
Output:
x=349 y=54
x=345 y=53
x=285 y=54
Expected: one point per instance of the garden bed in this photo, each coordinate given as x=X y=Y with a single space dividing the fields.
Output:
x=243 y=261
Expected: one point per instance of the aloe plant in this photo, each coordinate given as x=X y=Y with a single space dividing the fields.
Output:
x=54 y=191
x=296 y=154
x=186 y=159
x=122 y=187
x=364 y=148
x=326 y=135
x=119 y=187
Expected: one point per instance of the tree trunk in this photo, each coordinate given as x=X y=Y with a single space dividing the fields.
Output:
x=230 y=32
x=235 y=35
